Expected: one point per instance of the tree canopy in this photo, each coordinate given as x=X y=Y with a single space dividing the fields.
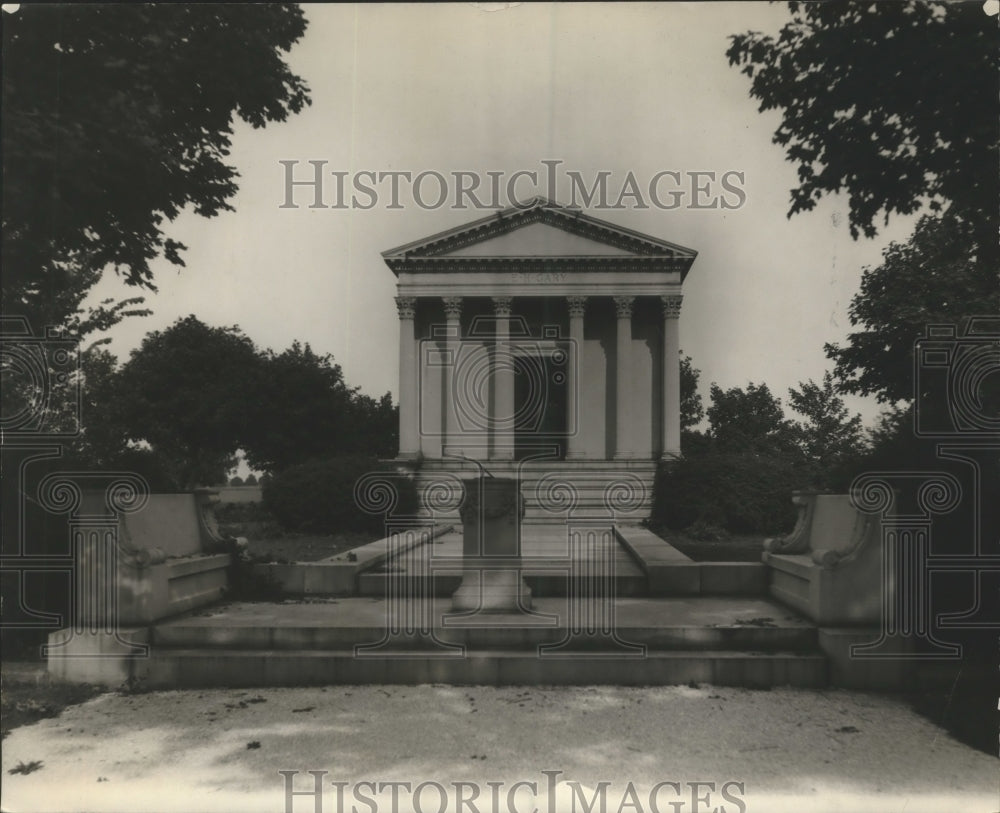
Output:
x=748 y=420
x=184 y=392
x=936 y=277
x=892 y=103
x=831 y=439
x=302 y=408
x=198 y=394
x=117 y=117
x=692 y=410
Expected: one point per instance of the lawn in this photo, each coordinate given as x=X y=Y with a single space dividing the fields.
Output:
x=269 y=542
x=303 y=547
x=735 y=548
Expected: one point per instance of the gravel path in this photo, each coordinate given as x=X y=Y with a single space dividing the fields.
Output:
x=793 y=749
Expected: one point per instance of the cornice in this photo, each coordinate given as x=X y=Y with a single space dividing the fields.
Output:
x=458 y=265
x=572 y=223
x=439 y=246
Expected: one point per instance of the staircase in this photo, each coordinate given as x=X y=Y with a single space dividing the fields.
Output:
x=669 y=641
x=661 y=619
x=552 y=490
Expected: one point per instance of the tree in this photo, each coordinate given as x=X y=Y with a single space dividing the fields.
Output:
x=909 y=117
x=102 y=440
x=302 y=409
x=376 y=425
x=197 y=395
x=749 y=420
x=692 y=411
x=938 y=276
x=908 y=120
x=185 y=392
x=236 y=481
x=830 y=438
x=740 y=474
x=251 y=480
x=117 y=117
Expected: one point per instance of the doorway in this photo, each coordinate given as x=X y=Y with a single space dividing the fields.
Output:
x=540 y=405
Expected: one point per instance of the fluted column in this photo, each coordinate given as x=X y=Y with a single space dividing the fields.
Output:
x=623 y=376
x=409 y=432
x=671 y=377
x=574 y=440
x=453 y=334
x=502 y=425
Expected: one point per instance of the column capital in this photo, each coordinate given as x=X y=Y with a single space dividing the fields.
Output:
x=406 y=306
x=452 y=306
x=671 y=306
x=577 y=305
x=623 y=306
x=502 y=305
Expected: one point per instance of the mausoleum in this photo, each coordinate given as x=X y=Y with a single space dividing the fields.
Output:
x=540 y=338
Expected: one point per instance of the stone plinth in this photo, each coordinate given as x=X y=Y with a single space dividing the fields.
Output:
x=491 y=513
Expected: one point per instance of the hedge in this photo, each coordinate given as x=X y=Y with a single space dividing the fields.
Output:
x=319 y=496
x=744 y=493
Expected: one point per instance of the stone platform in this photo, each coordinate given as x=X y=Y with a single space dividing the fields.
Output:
x=592 y=598
x=612 y=605
x=428 y=560
x=726 y=641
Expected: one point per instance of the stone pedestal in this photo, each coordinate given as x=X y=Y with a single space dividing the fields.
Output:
x=491 y=547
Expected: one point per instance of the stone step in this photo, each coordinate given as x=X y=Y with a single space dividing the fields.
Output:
x=538 y=515
x=376 y=584
x=191 y=668
x=504 y=635
x=596 y=487
x=719 y=623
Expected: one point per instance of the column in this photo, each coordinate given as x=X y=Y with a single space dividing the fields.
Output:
x=453 y=334
x=574 y=440
x=671 y=377
x=623 y=377
x=502 y=425
x=409 y=432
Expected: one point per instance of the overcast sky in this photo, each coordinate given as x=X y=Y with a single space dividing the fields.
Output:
x=640 y=88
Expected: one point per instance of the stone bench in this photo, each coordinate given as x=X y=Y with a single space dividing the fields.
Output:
x=172 y=557
x=131 y=569
x=829 y=567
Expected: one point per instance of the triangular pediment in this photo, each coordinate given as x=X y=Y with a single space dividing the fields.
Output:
x=544 y=229
x=538 y=240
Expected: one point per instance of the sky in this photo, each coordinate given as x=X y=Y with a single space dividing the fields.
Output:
x=639 y=88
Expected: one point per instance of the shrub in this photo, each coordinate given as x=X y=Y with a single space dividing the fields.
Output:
x=706 y=531
x=742 y=492
x=318 y=497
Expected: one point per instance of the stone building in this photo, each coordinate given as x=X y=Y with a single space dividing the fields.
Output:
x=542 y=340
